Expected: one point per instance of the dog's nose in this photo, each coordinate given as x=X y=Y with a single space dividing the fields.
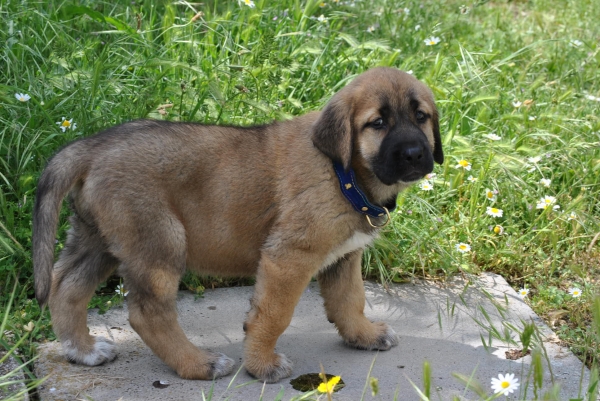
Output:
x=412 y=154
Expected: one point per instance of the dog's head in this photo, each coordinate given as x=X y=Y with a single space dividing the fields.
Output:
x=386 y=121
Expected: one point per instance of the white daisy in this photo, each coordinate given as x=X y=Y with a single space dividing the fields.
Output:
x=462 y=247
x=575 y=292
x=575 y=42
x=471 y=178
x=498 y=229
x=494 y=212
x=426 y=185
x=545 y=202
x=516 y=104
x=490 y=195
x=322 y=18
x=65 y=124
x=463 y=164
x=249 y=3
x=505 y=384
x=523 y=292
x=22 y=97
x=434 y=40
x=545 y=182
x=493 y=137
x=572 y=216
x=121 y=290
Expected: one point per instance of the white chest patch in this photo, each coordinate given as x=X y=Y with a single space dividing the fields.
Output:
x=357 y=241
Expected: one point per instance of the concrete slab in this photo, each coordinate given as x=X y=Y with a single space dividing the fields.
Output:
x=12 y=379
x=445 y=325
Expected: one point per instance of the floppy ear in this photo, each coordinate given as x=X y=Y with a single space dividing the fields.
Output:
x=332 y=132
x=438 y=153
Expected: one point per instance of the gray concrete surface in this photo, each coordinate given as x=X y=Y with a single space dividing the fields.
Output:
x=12 y=379
x=443 y=324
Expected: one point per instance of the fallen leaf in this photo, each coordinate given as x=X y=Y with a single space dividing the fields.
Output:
x=514 y=354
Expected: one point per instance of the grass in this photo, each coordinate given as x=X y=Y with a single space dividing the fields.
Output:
x=526 y=71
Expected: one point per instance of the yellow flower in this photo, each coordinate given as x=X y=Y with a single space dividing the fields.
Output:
x=463 y=164
x=330 y=385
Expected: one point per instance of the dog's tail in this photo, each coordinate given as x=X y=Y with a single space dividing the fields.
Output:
x=62 y=172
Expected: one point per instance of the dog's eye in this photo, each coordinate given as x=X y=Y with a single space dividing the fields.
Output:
x=377 y=124
x=421 y=117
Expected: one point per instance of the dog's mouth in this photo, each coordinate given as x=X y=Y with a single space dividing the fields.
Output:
x=412 y=177
x=403 y=174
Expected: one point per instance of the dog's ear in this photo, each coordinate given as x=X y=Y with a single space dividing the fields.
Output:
x=438 y=153
x=332 y=132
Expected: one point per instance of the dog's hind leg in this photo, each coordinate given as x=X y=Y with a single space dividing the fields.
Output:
x=82 y=265
x=343 y=290
x=152 y=273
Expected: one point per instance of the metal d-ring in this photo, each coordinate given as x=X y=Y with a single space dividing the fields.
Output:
x=389 y=218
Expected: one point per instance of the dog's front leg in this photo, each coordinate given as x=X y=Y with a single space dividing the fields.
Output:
x=343 y=290
x=280 y=282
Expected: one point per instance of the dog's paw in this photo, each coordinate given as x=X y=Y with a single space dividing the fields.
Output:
x=204 y=365
x=102 y=351
x=222 y=365
x=385 y=338
x=279 y=368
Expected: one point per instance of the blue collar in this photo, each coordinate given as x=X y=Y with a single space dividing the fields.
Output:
x=355 y=196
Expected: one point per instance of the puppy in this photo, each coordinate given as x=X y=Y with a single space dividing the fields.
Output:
x=284 y=202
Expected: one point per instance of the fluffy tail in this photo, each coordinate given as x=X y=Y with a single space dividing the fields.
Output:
x=62 y=172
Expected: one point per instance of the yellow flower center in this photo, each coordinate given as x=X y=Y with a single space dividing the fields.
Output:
x=497 y=229
x=463 y=163
x=494 y=210
x=490 y=194
x=505 y=384
x=66 y=123
x=463 y=247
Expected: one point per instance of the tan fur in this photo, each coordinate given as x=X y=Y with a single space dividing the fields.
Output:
x=156 y=198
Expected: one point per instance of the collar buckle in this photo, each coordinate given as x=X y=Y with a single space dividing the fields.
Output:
x=387 y=221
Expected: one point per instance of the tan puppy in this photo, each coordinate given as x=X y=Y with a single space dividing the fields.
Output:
x=154 y=198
